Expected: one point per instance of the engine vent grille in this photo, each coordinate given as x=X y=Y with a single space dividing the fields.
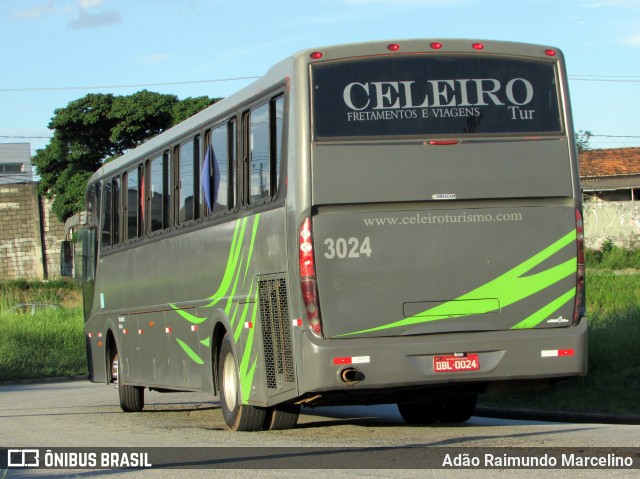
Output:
x=276 y=334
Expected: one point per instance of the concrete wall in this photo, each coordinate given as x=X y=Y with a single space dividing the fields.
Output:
x=30 y=234
x=618 y=221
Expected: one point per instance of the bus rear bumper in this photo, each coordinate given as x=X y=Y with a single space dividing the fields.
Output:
x=407 y=362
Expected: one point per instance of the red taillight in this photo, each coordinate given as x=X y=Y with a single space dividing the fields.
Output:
x=312 y=311
x=579 y=308
x=307 y=263
x=580 y=237
x=308 y=283
x=443 y=142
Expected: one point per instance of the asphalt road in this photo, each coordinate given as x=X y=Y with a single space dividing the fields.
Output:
x=79 y=414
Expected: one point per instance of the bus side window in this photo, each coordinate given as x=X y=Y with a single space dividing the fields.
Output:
x=187 y=181
x=160 y=198
x=233 y=165
x=220 y=166
x=277 y=119
x=107 y=205
x=219 y=170
x=110 y=224
x=116 y=210
x=259 y=155
x=132 y=204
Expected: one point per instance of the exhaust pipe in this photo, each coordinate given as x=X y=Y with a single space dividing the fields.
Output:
x=351 y=375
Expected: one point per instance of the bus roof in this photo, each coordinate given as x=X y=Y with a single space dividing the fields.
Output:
x=281 y=70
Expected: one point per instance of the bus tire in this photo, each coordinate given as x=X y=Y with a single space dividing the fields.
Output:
x=458 y=408
x=131 y=397
x=420 y=413
x=283 y=416
x=237 y=416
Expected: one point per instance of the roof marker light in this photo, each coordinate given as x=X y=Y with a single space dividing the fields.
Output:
x=393 y=47
x=478 y=46
x=443 y=142
x=316 y=55
x=436 y=45
x=550 y=52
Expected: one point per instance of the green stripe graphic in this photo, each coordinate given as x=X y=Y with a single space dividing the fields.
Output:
x=234 y=280
x=190 y=352
x=511 y=287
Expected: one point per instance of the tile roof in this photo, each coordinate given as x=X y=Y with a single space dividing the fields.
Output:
x=609 y=162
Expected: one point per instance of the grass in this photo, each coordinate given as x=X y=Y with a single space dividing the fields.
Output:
x=45 y=344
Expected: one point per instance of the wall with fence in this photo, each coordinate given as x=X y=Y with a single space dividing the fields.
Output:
x=30 y=234
x=618 y=221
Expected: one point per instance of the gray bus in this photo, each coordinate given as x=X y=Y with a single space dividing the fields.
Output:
x=367 y=223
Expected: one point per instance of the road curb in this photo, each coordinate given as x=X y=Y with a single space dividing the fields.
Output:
x=556 y=416
x=59 y=379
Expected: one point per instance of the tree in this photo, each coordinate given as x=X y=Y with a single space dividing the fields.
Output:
x=583 y=137
x=97 y=128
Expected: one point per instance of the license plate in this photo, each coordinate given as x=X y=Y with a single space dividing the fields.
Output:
x=454 y=364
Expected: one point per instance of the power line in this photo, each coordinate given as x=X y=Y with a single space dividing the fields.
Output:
x=604 y=80
x=25 y=137
x=132 y=85
x=589 y=78
x=606 y=76
x=616 y=136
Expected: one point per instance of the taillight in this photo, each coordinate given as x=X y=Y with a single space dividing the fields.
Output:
x=579 y=308
x=308 y=282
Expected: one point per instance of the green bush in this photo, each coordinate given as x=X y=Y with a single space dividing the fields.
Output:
x=610 y=256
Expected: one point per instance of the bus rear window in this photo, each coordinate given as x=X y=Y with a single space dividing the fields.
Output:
x=429 y=95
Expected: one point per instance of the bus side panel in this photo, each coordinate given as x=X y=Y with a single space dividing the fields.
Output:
x=96 y=341
x=175 y=290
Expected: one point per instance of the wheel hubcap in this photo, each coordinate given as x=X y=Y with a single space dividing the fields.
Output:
x=229 y=381
x=114 y=369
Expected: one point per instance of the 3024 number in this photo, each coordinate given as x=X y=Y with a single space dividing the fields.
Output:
x=343 y=248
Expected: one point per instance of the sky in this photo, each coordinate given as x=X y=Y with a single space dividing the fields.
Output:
x=55 y=51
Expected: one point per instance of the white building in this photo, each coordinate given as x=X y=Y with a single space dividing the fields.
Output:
x=15 y=163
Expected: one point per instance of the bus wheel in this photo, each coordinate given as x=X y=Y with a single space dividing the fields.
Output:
x=131 y=397
x=237 y=416
x=420 y=413
x=282 y=417
x=458 y=408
